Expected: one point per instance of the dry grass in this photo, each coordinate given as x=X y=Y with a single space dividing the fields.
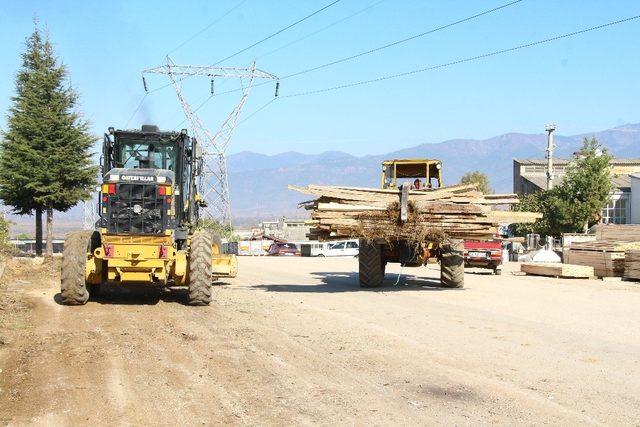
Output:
x=386 y=225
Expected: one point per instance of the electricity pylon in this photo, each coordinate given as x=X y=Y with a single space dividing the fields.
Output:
x=214 y=184
x=90 y=208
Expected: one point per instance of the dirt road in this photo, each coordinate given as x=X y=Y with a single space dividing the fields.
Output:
x=295 y=340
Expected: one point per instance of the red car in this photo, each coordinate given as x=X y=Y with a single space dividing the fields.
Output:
x=283 y=249
x=483 y=254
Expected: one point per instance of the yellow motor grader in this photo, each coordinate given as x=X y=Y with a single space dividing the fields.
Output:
x=148 y=231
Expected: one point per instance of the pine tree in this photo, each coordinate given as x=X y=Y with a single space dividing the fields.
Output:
x=45 y=158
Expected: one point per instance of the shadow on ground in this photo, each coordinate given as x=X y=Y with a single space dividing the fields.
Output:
x=331 y=282
x=137 y=295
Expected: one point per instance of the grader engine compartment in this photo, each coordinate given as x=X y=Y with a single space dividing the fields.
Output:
x=138 y=201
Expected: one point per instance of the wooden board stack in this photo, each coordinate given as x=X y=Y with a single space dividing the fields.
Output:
x=606 y=256
x=619 y=232
x=632 y=264
x=557 y=269
x=458 y=212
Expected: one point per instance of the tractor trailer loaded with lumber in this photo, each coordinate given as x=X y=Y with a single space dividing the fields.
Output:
x=148 y=231
x=412 y=218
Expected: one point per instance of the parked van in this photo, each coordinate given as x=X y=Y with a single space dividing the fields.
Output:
x=313 y=248
x=340 y=248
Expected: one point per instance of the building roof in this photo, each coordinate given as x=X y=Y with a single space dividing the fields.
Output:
x=543 y=162
x=618 y=181
x=621 y=181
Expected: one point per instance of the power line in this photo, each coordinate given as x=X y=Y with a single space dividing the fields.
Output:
x=257 y=111
x=388 y=45
x=461 y=61
x=333 y=24
x=136 y=110
x=395 y=43
x=253 y=45
x=228 y=12
x=279 y=31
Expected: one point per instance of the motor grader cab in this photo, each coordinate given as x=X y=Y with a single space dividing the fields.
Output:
x=148 y=231
x=401 y=175
x=428 y=171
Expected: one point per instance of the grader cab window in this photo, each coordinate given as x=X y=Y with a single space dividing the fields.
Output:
x=147 y=155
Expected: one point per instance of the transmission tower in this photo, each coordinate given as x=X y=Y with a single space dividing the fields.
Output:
x=214 y=184
x=90 y=213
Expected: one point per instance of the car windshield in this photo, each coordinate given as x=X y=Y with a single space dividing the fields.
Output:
x=147 y=155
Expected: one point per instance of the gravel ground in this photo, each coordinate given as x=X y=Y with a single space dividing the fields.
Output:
x=296 y=341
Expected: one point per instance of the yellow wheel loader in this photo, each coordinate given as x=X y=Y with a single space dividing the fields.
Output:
x=414 y=174
x=148 y=231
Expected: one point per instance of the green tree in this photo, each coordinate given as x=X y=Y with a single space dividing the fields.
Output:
x=578 y=201
x=480 y=179
x=45 y=158
x=223 y=231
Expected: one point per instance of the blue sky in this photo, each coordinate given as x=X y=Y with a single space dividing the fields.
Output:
x=585 y=83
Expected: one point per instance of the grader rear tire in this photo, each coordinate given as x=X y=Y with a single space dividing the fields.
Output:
x=371 y=265
x=73 y=288
x=452 y=264
x=200 y=268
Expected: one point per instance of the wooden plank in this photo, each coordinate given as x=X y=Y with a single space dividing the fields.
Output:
x=514 y=217
x=606 y=245
x=604 y=263
x=632 y=265
x=619 y=232
x=458 y=211
x=557 y=269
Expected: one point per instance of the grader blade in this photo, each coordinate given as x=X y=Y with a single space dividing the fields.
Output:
x=224 y=265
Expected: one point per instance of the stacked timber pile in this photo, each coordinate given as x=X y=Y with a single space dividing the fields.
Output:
x=557 y=269
x=619 y=232
x=606 y=256
x=458 y=212
x=632 y=264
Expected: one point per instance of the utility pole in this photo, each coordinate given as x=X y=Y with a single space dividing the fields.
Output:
x=550 y=128
x=214 y=184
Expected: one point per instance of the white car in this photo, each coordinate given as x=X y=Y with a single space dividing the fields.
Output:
x=340 y=248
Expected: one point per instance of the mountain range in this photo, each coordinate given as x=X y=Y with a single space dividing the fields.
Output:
x=258 y=182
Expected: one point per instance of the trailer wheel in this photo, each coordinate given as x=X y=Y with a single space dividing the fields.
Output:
x=200 y=254
x=371 y=264
x=73 y=288
x=452 y=264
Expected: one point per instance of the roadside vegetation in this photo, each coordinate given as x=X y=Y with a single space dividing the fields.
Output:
x=577 y=202
x=481 y=180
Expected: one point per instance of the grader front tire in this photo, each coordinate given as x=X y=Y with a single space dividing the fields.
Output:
x=200 y=268
x=73 y=288
x=452 y=265
x=371 y=265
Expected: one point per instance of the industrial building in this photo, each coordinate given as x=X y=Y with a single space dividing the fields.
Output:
x=530 y=176
x=290 y=230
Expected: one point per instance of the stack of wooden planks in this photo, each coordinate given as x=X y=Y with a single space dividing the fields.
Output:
x=632 y=264
x=557 y=269
x=619 y=232
x=457 y=212
x=607 y=257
